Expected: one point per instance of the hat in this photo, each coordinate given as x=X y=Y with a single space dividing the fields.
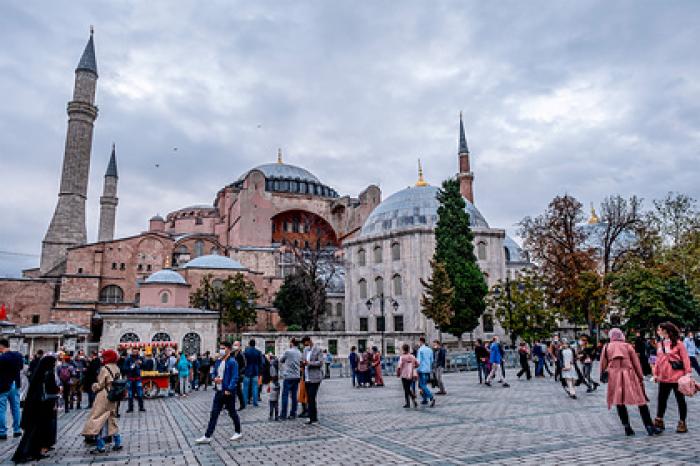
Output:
x=110 y=356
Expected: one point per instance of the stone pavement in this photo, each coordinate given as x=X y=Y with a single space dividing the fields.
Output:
x=529 y=423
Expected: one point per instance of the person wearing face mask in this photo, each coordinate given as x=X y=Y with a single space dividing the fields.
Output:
x=586 y=354
x=226 y=373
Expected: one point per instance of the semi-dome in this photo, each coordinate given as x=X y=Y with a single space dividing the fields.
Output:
x=166 y=276
x=410 y=208
x=214 y=261
x=514 y=253
x=283 y=171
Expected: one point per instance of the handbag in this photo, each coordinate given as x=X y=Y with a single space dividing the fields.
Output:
x=675 y=365
x=48 y=396
x=604 y=376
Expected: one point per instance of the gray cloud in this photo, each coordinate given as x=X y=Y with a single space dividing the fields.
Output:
x=590 y=98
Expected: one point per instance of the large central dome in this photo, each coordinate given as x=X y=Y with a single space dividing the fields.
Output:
x=410 y=208
x=283 y=171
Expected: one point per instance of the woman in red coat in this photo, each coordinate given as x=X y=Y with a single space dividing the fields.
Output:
x=672 y=363
x=625 y=381
x=377 y=364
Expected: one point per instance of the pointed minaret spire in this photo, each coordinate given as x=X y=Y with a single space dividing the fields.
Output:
x=279 y=155
x=466 y=177
x=109 y=200
x=112 y=165
x=421 y=181
x=463 y=149
x=87 y=60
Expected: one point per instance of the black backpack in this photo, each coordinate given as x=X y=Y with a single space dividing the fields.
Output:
x=117 y=390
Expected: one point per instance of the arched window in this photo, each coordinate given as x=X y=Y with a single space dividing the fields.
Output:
x=377 y=254
x=506 y=251
x=161 y=336
x=129 y=337
x=339 y=309
x=481 y=251
x=198 y=248
x=214 y=251
x=361 y=258
x=329 y=309
x=363 y=288
x=379 y=285
x=137 y=299
x=111 y=294
x=487 y=322
x=191 y=344
x=396 y=284
x=164 y=297
x=395 y=252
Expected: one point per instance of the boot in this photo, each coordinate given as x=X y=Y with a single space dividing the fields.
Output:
x=628 y=430
x=651 y=430
x=659 y=424
x=682 y=427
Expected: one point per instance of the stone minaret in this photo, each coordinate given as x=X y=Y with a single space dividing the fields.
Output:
x=109 y=201
x=465 y=176
x=67 y=226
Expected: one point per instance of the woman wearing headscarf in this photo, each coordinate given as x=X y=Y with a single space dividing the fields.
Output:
x=183 y=372
x=568 y=368
x=625 y=381
x=102 y=421
x=39 y=415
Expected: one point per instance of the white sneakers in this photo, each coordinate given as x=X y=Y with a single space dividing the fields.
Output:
x=204 y=439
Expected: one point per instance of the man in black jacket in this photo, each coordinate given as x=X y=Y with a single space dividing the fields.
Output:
x=482 y=357
x=91 y=372
x=240 y=360
x=11 y=364
x=132 y=371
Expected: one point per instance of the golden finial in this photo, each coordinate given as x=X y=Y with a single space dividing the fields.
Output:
x=421 y=181
x=279 y=155
x=594 y=218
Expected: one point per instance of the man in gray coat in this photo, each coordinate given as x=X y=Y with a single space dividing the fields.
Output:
x=290 y=371
x=312 y=363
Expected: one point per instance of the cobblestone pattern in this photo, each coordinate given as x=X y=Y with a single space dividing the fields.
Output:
x=529 y=423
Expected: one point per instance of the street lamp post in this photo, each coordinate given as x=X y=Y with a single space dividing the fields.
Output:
x=394 y=304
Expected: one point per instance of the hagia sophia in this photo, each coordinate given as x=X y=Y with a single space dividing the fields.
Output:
x=137 y=288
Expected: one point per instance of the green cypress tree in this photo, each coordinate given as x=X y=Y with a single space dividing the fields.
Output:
x=454 y=247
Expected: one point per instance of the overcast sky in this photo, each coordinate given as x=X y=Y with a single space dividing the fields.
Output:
x=589 y=98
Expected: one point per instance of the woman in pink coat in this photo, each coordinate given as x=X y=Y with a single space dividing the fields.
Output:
x=625 y=381
x=406 y=370
x=670 y=352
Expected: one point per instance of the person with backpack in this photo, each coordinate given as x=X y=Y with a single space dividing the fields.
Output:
x=66 y=374
x=108 y=389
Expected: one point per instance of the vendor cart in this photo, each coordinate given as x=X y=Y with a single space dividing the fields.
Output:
x=153 y=381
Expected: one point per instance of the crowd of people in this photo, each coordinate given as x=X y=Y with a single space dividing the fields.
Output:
x=292 y=380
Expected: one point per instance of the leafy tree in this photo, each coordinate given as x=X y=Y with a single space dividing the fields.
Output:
x=559 y=246
x=436 y=303
x=455 y=249
x=647 y=296
x=292 y=301
x=234 y=298
x=521 y=308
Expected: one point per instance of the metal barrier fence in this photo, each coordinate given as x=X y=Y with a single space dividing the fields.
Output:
x=456 y=362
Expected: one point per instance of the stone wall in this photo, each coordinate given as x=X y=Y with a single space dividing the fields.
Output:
x=25 y=298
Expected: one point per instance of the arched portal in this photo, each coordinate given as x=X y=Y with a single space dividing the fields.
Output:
x=302 y=229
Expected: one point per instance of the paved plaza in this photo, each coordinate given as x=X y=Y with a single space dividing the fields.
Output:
x=529 y=423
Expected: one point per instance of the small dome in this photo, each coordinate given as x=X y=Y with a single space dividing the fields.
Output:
x=412 y=207
x=515 y=252
x=166 y=276
x=283 y=170
x=214 y=261
x=157 y=218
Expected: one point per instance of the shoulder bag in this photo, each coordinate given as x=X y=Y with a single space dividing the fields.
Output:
x=48 y=396
x=675 y=365
x=604 y=376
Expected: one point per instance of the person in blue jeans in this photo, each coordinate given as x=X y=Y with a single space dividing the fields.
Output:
x=132 y=371
x=425 y=366
x=225 y=372
x=353 y=359
x=539 y=354
x=11 y=364
x=253 y=368
x=291 y=373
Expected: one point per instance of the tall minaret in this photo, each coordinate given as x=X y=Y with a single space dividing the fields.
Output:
x=109 y=201
x=465 y=176
x=67 y=226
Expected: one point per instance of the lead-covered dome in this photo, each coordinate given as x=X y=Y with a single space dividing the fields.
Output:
x=166 y=276
x=283 y=170
x=214 y=261
x=410 y=208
